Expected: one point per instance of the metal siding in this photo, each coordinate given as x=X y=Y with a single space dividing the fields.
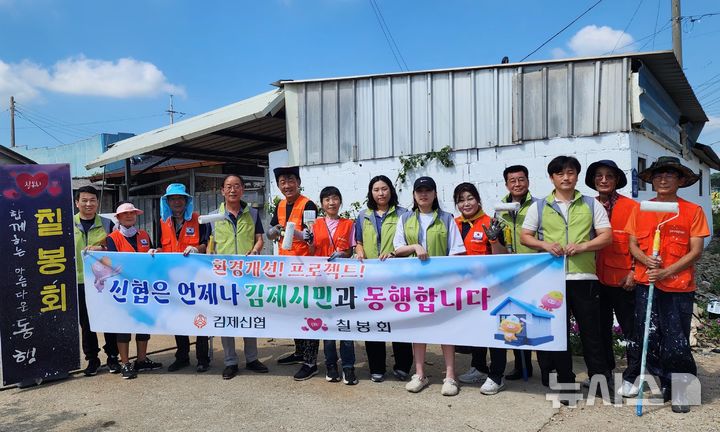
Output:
x=346 y=119
x=420 y=126
x=441 y=111
x=330 y=144
x=533 y=105
x=504 y=106
x=557 y=103
x=364 y=113
x=486 y=108
x=401 y=118
x=382 y=120
x=583 y=98
x=313 y=123
x=463 y=110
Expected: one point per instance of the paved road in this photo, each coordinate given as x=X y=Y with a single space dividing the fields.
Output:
x=185 y=400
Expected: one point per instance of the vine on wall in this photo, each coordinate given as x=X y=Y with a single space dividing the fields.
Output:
x=409 y=163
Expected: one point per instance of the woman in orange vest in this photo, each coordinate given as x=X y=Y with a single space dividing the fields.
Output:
x=128 y=238
x=334 y=238
x=614 y=264
x=481 y=236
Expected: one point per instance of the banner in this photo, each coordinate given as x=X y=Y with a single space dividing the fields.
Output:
x=38 y=295
x=507 y=301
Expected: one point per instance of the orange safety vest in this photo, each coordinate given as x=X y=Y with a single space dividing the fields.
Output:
x=143 y=241
x=476 y=242
x=299 y=247
x=674 y=244
x=324 y=245
x=614 y=261
x=189 y=234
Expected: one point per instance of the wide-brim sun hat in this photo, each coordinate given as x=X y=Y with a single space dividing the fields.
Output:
x=688 y=177
x=287 y=170
x=592 y=169
x=128 y=208
x=175 y=189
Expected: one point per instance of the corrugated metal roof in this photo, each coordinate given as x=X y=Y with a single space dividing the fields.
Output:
x=239 y=132
x=12 y=155
x=663 y=65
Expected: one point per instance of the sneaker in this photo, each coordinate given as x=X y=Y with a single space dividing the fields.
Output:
x=472 y=376
x=491 y=387
x=449 y=387
x=202 y=367
x=291 y=359
x=229 y=372
x=147 y=365
x=257 y=366
x=332 y=374
x=305 y=372
x=92 y=367
x=128 y=371
x=628 y=390
x=349 y=377
x=377 y=378
x=416 y=383
x=113 y=365
x=178 y=364
x=400 y=375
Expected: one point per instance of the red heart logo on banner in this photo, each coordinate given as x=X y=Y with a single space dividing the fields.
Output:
x=55 y=189
x=32 y=184
x=314 y=323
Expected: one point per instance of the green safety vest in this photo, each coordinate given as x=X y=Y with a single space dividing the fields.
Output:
x=436 y=234
x=514 y=222
x=373 y=244
x=238 y=239
x=95 y=235
x=553 y=228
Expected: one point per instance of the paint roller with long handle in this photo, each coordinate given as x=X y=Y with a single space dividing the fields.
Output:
x=206 y=219
x=656 y=207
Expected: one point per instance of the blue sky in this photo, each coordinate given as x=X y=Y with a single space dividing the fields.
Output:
x=78 y=68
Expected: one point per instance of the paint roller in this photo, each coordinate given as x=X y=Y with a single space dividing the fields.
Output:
x=206 y=219
x=655 y=207
x=507 y=207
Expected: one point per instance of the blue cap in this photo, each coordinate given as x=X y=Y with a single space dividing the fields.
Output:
x=175 y=189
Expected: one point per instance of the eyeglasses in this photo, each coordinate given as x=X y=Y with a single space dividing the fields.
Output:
x=517 y=180
x=605 y=176
x=665 y=176
x=233 y=187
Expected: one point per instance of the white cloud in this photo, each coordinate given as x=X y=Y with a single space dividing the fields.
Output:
x=713 y=124
x=558 y=53
x=593 y=40
x=123 y=78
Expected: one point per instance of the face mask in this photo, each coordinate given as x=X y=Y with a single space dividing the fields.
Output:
x=128 y=232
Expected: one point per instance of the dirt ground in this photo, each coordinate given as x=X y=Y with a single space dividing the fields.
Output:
x=186 y=400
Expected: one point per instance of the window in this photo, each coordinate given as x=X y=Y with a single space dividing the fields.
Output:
x=641 y=165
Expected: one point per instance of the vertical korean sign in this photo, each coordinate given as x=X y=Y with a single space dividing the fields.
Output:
x=38 y=292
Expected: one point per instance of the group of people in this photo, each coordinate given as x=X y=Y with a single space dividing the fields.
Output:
x=607 y=241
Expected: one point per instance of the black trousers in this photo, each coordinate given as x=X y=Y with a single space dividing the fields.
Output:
x=202 y=349
x=518 y=354
x=377 y=351
x=620 y=303
x=583 y=300
x=498 y=362
x=669 y=338
x=89 y=338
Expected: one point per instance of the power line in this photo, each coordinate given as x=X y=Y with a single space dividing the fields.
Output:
x=628 y=25
x=388 y=36
x=562 y=30
x=48 y=133
x=657 y=17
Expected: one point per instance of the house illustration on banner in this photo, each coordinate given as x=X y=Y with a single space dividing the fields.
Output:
x=520 y=323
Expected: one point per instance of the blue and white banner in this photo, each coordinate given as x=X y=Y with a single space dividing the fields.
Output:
x=505 y=301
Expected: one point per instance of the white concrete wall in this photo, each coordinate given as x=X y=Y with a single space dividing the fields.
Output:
x=483 y=167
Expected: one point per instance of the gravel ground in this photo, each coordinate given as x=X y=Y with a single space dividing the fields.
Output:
x=186 y=400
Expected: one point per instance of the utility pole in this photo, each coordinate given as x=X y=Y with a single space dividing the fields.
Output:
x=172 y=111
x=12 y=121
x=677 y=31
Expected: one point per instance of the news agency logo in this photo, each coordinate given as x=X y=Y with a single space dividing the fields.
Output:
x=685 y=390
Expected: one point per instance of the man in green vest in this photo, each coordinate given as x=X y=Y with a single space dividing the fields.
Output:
x=517 y=182
x=240 y=233
x=569 y=223
x=90 y=233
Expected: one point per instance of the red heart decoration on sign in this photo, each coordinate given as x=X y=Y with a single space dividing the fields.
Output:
x=55 y=189
x=314 y=323
x=32 y=184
